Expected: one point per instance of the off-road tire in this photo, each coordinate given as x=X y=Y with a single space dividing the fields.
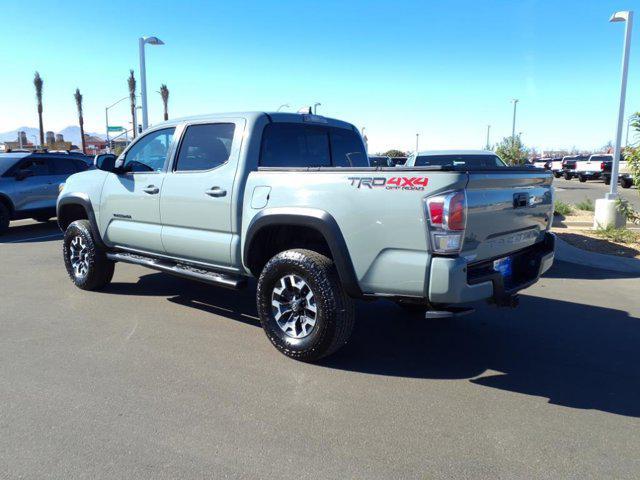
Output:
x=5 y=217
x=99 y=269
x=334 y=308
x=626 y=182
x=582 y=179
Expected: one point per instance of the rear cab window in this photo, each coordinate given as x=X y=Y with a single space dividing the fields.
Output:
x=295 y=145
x=205 y=147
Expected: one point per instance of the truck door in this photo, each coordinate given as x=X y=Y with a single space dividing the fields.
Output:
x=130 y=211
x=195 y=202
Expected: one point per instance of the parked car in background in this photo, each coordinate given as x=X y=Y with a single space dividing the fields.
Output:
x=556 y=166
x=455 y=158
x=591 y=168
x=398 y=161
x=227 y=197
x=543 y=163
x=29 y=183
x=624 y=172
x=380 y=161
x=569 y=165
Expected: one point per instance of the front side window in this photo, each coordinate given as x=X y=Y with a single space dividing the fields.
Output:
x=205 y=147
x=63 y=166
x=37 y=166
x=150 y=152
x=347 y=149
x=295 y=145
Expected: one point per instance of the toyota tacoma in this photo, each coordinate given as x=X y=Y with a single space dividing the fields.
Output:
x=290 y=199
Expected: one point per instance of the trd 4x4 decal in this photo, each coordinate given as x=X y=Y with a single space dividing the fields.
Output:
x=393 y=183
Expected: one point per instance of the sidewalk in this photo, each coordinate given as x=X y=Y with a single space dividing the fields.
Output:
x=569 y=253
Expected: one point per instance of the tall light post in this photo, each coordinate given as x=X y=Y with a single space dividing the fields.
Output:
x=284 y=105
x=417 y=142
x=142 y=41
x=513 y=126
x=624 y=16
x=315 y=107
x=488 y=130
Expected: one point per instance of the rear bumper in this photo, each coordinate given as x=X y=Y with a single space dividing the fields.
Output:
x=454 y=281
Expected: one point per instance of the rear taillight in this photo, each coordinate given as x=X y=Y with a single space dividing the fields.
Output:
x=447 y=221
x=601 y=165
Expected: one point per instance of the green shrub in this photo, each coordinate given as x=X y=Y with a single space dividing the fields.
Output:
x=618 y=235
x=586 y=204
x=561 y=208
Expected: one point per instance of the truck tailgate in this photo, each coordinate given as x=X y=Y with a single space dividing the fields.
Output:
x=507 y=211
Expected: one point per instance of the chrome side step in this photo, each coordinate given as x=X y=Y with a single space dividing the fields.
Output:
x=181 y=269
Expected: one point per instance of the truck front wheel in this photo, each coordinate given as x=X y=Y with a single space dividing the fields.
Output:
x=626 y=182
x=303 y=308
x=86 y=263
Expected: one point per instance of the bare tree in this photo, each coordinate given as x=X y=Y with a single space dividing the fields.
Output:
x=131 y=82
x=37 y=82
x=78 y=97
x=164 y=93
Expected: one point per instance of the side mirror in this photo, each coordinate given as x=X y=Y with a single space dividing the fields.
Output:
x=105 y=161
x=22 y=174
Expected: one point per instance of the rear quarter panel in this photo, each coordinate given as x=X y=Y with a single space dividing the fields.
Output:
x=383 y=225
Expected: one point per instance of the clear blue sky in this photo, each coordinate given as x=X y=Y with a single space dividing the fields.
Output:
x=443 y=69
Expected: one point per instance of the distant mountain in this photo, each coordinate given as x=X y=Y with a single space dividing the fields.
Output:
x=70 y=134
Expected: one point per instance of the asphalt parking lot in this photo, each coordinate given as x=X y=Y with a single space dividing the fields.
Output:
x=573 y=192
x=159 y=377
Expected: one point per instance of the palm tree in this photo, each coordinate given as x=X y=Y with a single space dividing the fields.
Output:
x=78 y=97
x=131 y=81
x=37 y=82
x=164 y=93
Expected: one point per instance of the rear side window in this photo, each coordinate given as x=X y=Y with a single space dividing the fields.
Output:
x=347 y=149
x=295 y=145
x=205 y=147
x=462 y=160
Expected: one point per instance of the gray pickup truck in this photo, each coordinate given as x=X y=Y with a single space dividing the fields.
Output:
x=290 y=200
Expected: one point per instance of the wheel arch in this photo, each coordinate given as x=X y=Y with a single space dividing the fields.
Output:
x=74 y=207
x=4 y=199
x=315 y=220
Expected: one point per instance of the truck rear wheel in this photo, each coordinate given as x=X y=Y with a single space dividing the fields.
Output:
x=582 y=178
x=607 y=180
x=303 y=308
x=87 y=264
x=567 y=176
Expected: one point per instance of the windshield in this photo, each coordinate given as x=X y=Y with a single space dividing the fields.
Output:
x=461 y=160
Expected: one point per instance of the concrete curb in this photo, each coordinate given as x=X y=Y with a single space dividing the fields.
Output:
x=569 y=253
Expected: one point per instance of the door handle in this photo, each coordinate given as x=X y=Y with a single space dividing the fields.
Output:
x=151 y=190
x=216 y=192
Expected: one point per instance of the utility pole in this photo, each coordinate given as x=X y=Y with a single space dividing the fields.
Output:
x=513 y=127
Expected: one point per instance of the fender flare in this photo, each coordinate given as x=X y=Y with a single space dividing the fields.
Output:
x=84 y=201
x=318 y=220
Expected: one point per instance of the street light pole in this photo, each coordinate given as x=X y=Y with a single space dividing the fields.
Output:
x=315 y=108
x=417 y=142
x=513 y=127
x=142 y=41
x=284 y=105
x=488 y=130
x=106 y=115
x=620 y=17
